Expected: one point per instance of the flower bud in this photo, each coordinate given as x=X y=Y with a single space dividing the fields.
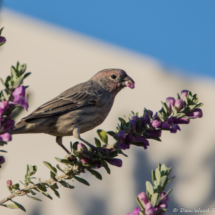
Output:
x=81 y=148
x=184 y=93
x=8 y=125
x=5 y=137
x=9 y=183
x=149 y=209
x=85 y=160
x=143 y=198
x=115 y=161
x=2 y=40
x=2 y=160
x=166 y=199
x=195 y=114
x=181 y=121
x=179 y=103
x=163 y=205
x=165 y=125
x=174 y=128
x=156 y=123
x=170 y=101
x=121 y=135
x=4 y=105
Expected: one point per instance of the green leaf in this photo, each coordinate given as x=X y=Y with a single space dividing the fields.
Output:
x=18 y=82
x=163 y=181
x=41 y=188
x=13 y=72
x=55 y=192
x=19 y=205
x=95 y=173
x=164 y=107
x=139 y=203
x=2 y=82
x=158 y=176
x=47 y=195
x=11 y=206
x=26 y=75
x=170 y=179
x=22 y=69
x=154 y=199
x=60 y=168
x=83 y=181
x=174 y=110
x=32 y=170
x=52 y=175
x=111 y=133
x=103 y=136
x=15 y=186
x=153 y=176
x=71 y=148
x=34 y=198
x=121 y=120
x=53 y=169
x=32 y=192
x=64 y=161
x=65 y=184
x=97 y=142
x=149 y=187
x=1 y=30
x=3 y=151
x=167 y=193
x=105 y=165
x=6 y=96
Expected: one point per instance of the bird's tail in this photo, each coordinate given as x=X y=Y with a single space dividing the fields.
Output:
x=20 y=128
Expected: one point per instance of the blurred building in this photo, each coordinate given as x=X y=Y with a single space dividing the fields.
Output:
x=59 y=59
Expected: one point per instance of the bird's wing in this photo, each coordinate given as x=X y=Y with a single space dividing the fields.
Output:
x=79 y=96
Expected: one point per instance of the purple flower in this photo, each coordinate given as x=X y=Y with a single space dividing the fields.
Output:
x=163 y=206
x=129 y=138
x=166 y=199
x=165 y=125
x=156 y=123
x=135 y=212
x=8 y=125
x=5 y=137
x=170 y=101
x=181 y=121
x=2 y=160
x=149 y=209
x=169 y=124
x=195 y=114
x=184 y=93
x=85 y=160
x=155 y=133
x=9 y=183
x=2 y=40
x=146 y=118
x=115 y=161
x=123 y=146
x=179 y=103
x=19 y=97
x=133 y=122
x=4 y=105
x=121 y=135
x=142 y=139
x=81 y=148
x=174 y=128
x=143 y=198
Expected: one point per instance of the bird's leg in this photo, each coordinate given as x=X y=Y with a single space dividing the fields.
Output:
x=59 y=142
x=76 y=134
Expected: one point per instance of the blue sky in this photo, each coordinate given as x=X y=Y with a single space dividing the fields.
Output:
x=179 y=33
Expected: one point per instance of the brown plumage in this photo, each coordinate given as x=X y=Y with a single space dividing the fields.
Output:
x=78 y=109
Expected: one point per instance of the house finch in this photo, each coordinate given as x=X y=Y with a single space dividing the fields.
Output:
x=78 y=109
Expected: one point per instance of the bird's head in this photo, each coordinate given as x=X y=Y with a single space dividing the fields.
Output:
x=113 y=80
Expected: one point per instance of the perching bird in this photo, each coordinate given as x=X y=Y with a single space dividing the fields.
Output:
x=78 y=109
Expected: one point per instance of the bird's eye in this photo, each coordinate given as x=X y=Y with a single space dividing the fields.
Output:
x=113 y=76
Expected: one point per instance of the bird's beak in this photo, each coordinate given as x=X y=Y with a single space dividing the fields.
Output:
x=128 y=82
